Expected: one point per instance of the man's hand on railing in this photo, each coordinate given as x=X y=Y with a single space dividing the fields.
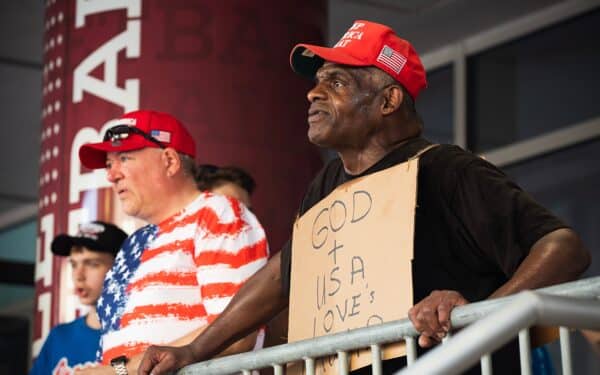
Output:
x=431 y=316
x=160 y=360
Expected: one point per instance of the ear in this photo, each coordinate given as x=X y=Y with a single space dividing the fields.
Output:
x=171 y=161
x=392 y=99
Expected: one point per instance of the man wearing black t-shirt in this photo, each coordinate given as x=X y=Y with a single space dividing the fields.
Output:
x=477 y=234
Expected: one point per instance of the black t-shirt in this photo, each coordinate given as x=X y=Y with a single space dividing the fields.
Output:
x=473 y=225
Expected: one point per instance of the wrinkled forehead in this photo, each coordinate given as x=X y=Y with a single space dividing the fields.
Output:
x=364 y=76
x=334 y=69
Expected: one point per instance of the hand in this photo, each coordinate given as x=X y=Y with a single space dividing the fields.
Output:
x=431 y=316
x=160 y=360
x=96 y=370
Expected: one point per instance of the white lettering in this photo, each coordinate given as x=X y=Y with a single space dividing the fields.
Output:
x=43 y=268
x=84 y=8
x=342 y=43
x=107 y=54
x=44 y=305
x=357 y=25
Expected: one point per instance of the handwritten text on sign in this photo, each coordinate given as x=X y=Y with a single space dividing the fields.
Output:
x=351 y=258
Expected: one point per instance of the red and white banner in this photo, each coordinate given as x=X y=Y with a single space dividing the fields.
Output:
x=220 y=67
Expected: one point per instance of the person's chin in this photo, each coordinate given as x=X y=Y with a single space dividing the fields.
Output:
x=129 y=209
x=315 y=136
x=318 y=141
x=87 y=301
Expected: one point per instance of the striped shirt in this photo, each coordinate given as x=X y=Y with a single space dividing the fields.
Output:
x=172 y=278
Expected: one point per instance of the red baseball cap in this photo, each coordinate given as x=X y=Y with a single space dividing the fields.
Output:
x=366 y=44
x=136 y=130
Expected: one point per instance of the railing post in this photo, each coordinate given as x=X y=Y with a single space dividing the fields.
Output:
x=310 y=366
x=277 y=369
x=486 y=364
x=565 y=351
x=376 y=358
x=525 y=352
x=411 y=350
x=343 y=363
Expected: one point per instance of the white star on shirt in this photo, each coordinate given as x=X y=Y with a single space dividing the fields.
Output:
x=112 y=286
x=107 y=310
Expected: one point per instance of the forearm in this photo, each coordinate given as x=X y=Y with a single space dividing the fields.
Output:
x=259 y=299
x=241 y=346
x=555 y=258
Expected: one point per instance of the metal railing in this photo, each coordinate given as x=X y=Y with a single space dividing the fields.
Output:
x=553 y=305
x=488 y=334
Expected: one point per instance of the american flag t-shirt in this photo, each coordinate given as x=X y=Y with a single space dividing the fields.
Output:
x=188 y=269
x=111 y=304
x=391 y=58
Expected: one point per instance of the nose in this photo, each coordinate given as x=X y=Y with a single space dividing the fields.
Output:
x=78 y=273
x=113 y=173
x=316 y=93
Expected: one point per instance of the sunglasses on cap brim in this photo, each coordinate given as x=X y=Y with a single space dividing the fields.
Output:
x=120 y=132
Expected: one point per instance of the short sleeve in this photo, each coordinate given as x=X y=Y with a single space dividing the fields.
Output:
x=228 y=251
x=502 y=220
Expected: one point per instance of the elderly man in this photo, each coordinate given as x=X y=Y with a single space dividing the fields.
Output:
x=477 y=234
x=174 y=276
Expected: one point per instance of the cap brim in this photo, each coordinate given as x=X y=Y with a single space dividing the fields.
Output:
x=93 y=155
x=306 y=59
x=63 y=243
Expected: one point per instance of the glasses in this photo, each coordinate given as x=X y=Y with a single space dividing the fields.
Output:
x=119 y=132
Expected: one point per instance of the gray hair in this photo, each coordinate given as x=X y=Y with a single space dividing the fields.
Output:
x=188 y=165
x=383 y=79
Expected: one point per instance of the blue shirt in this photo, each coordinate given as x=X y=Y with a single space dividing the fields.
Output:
x=66 y=346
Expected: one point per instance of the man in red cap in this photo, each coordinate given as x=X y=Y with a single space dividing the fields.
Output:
x=175 y=275
x=477 y=234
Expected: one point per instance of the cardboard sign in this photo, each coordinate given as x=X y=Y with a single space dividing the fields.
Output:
x=351 y=260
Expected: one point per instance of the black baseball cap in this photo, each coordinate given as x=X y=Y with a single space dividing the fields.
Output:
x=95 y=236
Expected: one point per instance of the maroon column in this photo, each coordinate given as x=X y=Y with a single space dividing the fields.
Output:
x=219 y=66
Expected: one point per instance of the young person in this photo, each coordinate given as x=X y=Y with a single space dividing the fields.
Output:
x=91 y=254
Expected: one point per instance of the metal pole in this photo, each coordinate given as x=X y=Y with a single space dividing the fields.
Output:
x=525 y=352
x=310 y=366
x=411 y=350
x=565 y=351
x=486 y=364
x=343 y=363
x=376 y=358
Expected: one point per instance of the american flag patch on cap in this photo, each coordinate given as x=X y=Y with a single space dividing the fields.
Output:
x=392 y=59
x=161 y=135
